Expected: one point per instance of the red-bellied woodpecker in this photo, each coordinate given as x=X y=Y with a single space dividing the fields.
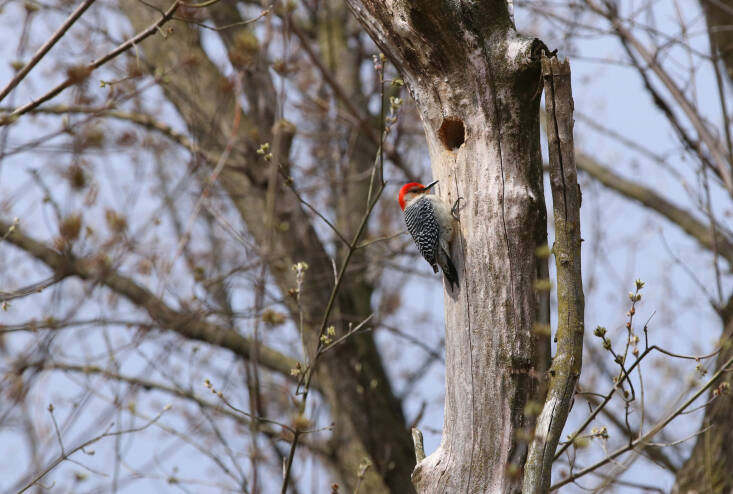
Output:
x=430 y=222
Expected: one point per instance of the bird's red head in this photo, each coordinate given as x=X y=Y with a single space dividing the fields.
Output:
x=412 y=188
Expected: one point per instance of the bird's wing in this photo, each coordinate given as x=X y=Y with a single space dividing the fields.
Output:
x=423 y=226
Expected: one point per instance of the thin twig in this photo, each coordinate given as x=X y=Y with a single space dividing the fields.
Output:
x=610 y=394
x=721 y=164
x=324 y=324
x=183 y=240
x=30 y=289
x=643 y=440
x=41 y=52
x=70 y=81
x=89 y=442
x=340 y=93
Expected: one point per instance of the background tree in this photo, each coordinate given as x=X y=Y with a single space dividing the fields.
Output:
x=685 y=80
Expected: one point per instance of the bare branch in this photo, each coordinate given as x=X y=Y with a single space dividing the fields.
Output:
x=721 y=164
x=419 y=448
x=322 y=347
x=107 y=433
x=41 y=52
x=177 y=391
x=566 y=199
x=71 y=80
x=186 y=325
x=651 y=199
x=643 y=441
x=340 y=93
x=29 y=289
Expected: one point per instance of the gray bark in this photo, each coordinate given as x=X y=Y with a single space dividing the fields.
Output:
x=476 y=83
x=566 y=199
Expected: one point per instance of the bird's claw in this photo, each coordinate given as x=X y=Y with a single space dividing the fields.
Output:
x=456 y=208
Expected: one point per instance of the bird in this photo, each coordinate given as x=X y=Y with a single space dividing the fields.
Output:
x=430 y=221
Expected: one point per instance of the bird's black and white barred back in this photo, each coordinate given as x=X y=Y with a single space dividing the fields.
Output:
x=422 y=225
x=421 y=219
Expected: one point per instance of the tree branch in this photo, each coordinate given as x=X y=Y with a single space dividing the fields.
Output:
x=720 y=160
x=566 y=200
x=177 y=391
x=187 y=325
x=86 y=70
x=41 y=52
x=369 y=420
x=649 y=198
x=643 y=441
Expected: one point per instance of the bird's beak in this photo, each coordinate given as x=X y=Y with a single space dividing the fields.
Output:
x=429 y=186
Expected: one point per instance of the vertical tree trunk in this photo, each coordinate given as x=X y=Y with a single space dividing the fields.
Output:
x=476 y=83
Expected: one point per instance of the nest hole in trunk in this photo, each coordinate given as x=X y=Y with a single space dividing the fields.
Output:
x=452 y=133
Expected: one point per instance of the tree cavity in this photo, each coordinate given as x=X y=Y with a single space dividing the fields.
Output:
x=452 y=133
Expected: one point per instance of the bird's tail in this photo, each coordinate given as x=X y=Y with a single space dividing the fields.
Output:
x=449 y=269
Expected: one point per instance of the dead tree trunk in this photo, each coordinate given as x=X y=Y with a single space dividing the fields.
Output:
x=476 y=83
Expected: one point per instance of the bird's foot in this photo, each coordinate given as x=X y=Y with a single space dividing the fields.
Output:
x=456 y=208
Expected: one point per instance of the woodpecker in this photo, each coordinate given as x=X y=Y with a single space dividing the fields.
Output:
x=430 y=222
